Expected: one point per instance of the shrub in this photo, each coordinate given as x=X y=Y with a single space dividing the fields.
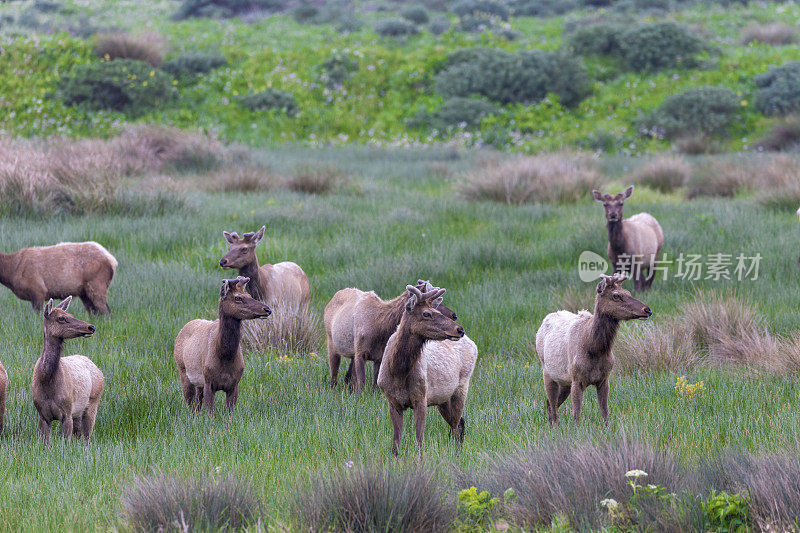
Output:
x=782 y=135
x=540 y=179
x=455 y=113
x=314 y=179
x=126 y=85
x=439 y=25
x=560 y=478
x=161 y=503
x=47 y=6
x=698 y=110
x=415 y=14
x=779 y=89
x=728 y=512
x=305 y=14
x=338 y=68
x=486 y=8
x=698 y=144
x=503 y=77
x=224 y=8
x=366 y=498
x=658 y=46
x=190 y=64
x=597 y=39
x=270 y=99
x=241 y=178
x=774 y=33
x=664 y=173
x=148 y=47
x=777 y=182
x=542 y=8
x=395 y=28
x=290 y=329
x=717 y=177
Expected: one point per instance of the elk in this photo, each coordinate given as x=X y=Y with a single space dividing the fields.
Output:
x=3 y=393
x=634 y=244
x=66 y=389
x=575 y=349
x=357 y=326
x=410 y=380
x=82 y=269
x=208 y=353
x=282 y=282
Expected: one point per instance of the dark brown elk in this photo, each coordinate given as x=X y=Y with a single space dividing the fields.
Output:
x=208 y=353
x=65 y=389
x=409 y=380
x=575 y=349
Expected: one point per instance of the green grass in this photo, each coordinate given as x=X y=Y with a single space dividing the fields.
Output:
x=504 y=268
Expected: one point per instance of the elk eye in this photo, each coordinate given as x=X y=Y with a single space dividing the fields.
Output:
x=617 y=296
x=455 y=316
x=62 y=319
x=238 y=298
x=426 y=314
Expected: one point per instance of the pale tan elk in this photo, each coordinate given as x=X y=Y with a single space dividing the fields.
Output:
x=634 y=244
x=283 y=283
x=409 y=380
x=357 y=326
x=575 y=349
x=208 y=353
x=82 y=269
x=65 y=389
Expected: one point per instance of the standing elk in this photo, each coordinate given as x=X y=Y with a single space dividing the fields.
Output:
x=575 y=349
x=634 y=244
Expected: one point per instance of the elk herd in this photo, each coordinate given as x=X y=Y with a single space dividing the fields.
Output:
x=420 y=355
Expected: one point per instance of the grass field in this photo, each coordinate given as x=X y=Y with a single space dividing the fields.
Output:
x=397 y=219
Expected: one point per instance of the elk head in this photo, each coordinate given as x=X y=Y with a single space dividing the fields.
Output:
x=60 y=324
x=235 y=302
x=241 y=250
x=613 y=204
x=425 y=320
x=615 y=301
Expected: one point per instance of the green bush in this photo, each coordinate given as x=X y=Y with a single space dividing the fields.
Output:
x=542 y=8
x=439 y=25
x=191 y=64
x=597 y=39
x=395 y=28
x=127 y=85
x=699 y=110
x=659 y=46
x=779 y=89
x=504 y=77
x=728 y=512
x=338 y=68
x=224 y=8
x=416 y=14
x=455 y=113
x=491 y=8
x=270 y=99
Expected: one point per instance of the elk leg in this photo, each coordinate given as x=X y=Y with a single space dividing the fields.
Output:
x=77 y=426
x=96 y=291
x=551 y=389
x=208 y=398
x=334 y=359
x=188 y=389
x=87 y=303
x=66 y=427
x=376 y=370
x=420 y=413
x=44 y=429
x=457 y=424
x=396 y=415
x=348 y=376
x=232 y=397
x=198 y=398
x=89 y=418
x=602 y=399
x=2 y=409
x=563 y=394
x=360 y=367
x=577 y=398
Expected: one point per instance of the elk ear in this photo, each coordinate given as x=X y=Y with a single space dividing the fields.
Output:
x=601 y=286
x=226 y=287
x=437 y=302
x=597 y=195
x=230 y=237
x=413 y=297
x=628 y=192
x=259 y=235
x=48 y=308
x=241 y=283
x=64 y=305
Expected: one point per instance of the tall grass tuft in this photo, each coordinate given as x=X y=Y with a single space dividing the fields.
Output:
x=774 y=33
x=240 y=178
x=314 y=179
x=563 y=178
x=161 y=148
x=664 y=173
x=163 y=503
x=784 y=134
x=290 y=329
x=147 y=47
x=368 y=498
x=717 y=177
x=778 y=182
x=560 y=478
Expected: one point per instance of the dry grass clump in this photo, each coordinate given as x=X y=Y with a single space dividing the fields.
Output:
x=783 y=135
x=664 y=172
x=147 y=47
x=314 y=179
x=655 y=347
x=778 y=182
x=290 y=329
x=367 y=498
x=698 y=145
x=241 y=178
x=773 y=33
x=161 y=148
x=161 y=503
x=718 y=177
x=548 y=178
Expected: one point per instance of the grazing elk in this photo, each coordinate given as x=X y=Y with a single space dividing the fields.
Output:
x=634 y=244
x=357 y=326
x=208 y=353
x=410 y=378
x=82 y=269
x=283 y=283
x=3 y=393
x=575 y=349
x=66 y=389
